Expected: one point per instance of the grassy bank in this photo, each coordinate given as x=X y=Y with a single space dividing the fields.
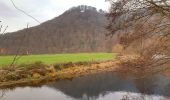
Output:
x=37 y=73
x=55 y=67
x=57 y=58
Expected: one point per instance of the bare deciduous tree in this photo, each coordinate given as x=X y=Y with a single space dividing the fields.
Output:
x=145 y=23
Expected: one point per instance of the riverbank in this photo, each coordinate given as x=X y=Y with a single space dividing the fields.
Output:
x=39 y=73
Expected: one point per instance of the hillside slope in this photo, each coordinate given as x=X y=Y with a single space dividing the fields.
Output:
x=80 y=29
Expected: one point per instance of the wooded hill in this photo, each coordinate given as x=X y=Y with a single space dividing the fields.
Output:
x=79 y=29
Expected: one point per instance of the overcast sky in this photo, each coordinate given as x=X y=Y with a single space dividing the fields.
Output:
x=41 y=9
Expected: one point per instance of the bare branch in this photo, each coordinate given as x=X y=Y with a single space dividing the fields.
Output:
x=24 y=12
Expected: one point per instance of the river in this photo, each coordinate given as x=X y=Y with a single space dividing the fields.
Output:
x=105 y=86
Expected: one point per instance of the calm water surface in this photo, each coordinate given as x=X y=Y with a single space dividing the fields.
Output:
x=106 y=86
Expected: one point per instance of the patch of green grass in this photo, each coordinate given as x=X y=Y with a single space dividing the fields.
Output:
x=57 y=58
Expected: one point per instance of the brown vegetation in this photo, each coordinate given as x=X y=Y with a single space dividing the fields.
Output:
x=3 y=51
x=143 y=28
x=38 y=72
x=133 y=65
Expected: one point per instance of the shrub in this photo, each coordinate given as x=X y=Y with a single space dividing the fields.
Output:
x=12 y=76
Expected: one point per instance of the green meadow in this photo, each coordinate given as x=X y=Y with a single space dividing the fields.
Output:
x=57 y=58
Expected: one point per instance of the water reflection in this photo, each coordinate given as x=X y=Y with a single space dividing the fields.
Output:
x=107 y=86
x=100 y=85
x=2 y=94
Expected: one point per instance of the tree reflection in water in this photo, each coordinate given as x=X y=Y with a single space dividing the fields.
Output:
x=103 y=86
x=94 y=86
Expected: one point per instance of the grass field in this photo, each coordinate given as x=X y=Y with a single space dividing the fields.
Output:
x=57 y=58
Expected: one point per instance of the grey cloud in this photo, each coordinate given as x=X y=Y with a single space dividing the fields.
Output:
x=6 y=11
